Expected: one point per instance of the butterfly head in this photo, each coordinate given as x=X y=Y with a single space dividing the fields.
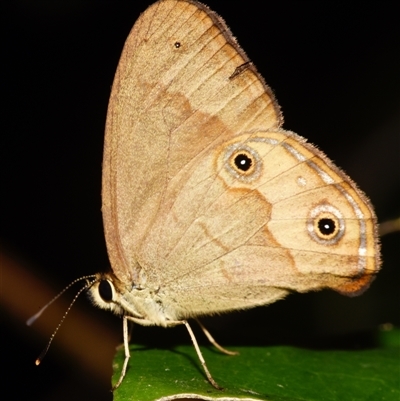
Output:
x=141 y=305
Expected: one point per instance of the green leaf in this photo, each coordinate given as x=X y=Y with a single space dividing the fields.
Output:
x=278 y=373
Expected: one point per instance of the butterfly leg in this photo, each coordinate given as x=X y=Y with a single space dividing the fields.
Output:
x=171 y=323
x=130 y=329
x=199 y=354
x=126 y=336
x=213 y=342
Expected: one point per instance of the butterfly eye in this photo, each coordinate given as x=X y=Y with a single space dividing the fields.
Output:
x=325 y=224
x=105 y=290
x=243 y=162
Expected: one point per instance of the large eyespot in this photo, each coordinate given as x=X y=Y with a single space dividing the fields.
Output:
x=325 y=224
x=106 y=291
x=243 y=162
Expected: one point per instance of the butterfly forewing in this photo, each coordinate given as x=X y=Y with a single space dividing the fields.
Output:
x=182 y=86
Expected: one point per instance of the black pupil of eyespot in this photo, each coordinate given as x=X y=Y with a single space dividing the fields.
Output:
x=326 y=226
x=105 y=290
x=243 y=162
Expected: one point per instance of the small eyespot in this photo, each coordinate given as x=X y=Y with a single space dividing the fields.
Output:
x=177 y=45
x=326 y=224
x=105 y=290
x=242 y=162
x=301 y=181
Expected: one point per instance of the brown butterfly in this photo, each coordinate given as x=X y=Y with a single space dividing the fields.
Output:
x=208 y=204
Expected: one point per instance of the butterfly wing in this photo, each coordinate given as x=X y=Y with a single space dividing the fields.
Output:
x=182 y=85
x=205 y=200
x=241 y=238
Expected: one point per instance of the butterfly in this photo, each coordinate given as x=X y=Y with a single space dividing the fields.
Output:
x=208 y=204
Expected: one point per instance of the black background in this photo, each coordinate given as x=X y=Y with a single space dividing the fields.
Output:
x=334 y=68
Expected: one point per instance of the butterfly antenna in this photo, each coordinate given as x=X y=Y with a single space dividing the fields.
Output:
x=36 y=316
x=87 y=285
